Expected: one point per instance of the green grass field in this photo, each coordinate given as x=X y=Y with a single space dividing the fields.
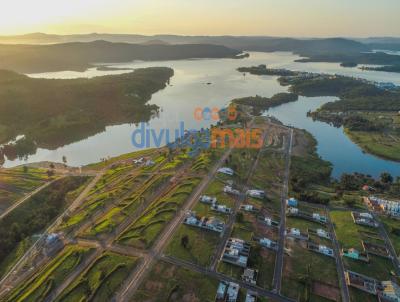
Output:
x=200 y=248
x=102 y=279
x=378 y=143
x=303 y=267
x=166 y=282
x=350 y=235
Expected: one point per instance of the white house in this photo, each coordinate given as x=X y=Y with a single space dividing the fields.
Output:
x=226 y=170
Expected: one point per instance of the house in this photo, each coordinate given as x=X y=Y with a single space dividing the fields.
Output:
x=362 y=282
x=321 y=233
x=249 y=208
x=221 y=209
x=256 y=194
x=293 y=211
x=149 y=163
x=355 y=254
x=319 y=218
x=232 y=292
x=221 y=292
x=268 y=221
x=321 y=249
x=53 y=244
x=236 y=252
x=268 y=243
x=230 y=190
x=296 y=233
x=390 y=291
x=250 y=297
x=208 y=200
x=292 y=202
x=226 y=170
x=365 y=219
x=250 y=276
x=211 y=224
x=138 y=161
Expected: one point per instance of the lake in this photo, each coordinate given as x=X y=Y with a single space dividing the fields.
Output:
x=201 y=83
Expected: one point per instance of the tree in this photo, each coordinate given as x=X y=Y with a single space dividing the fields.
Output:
x=239 y=217
x=386 y=178
x=64 y=159
x=185 y=241
x=50 y=173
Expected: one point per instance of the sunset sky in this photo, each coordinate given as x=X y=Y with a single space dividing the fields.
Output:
x=196 y=17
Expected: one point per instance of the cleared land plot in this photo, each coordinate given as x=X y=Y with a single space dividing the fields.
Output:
x=15 y=183
x=268 y=176
x=307 y=273
x=166 y=282
x=102 y=279
x=51 y=276
x=200 y=246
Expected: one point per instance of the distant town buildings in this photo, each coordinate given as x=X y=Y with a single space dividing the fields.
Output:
x=389 y=207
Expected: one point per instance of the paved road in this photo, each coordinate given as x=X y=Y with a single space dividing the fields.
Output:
x=26 y=197
x=138 y=275
x=277 y=279
x=258 y=290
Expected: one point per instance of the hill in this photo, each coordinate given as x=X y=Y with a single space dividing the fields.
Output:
x=80 y=55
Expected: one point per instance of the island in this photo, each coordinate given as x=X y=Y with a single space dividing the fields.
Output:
x=368 y=111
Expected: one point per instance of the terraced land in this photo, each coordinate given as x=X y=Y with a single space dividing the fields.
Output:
x=51 y=276
x=116 y=182
x=15 y=183
x=143 y=232
x=125 y=207
x=101 y=280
